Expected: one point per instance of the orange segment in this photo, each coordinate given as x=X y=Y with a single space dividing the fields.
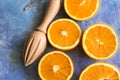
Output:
x=81 y=9
x=100 y=71
x=100 y=41
x=55 y=65
x=64 y=34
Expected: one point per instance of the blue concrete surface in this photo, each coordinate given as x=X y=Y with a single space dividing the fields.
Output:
x=16 y=24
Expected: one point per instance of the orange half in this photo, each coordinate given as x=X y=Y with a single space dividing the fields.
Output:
x=55 y=65
x=81 y=9
x=64 y=34
x=100 y=41
x=100 y=71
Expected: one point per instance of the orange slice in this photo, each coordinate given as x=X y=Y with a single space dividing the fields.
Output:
x=55 y=65
x=81 y=9
x=64 y=34
x=100 y=41
x=100 y=71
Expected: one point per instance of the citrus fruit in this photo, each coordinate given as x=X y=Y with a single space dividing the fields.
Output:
x=100 y=41
x=100 y=71
x=81 y=9
x=55 y=65
x=64 y=34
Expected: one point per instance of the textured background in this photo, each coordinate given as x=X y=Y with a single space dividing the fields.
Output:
x=16 y=24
